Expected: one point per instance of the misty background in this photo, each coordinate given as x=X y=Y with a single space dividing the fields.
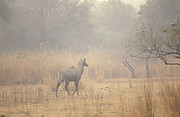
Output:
x=79 y=25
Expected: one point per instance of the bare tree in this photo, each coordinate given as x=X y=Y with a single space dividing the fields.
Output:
x=162 y=46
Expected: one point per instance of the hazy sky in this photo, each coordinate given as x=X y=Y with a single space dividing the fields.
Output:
x=135 y=3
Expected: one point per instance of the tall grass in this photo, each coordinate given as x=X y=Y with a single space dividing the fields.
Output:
x=145 y=102
x=27 y=68
x=170 y=97
x=41 y=67
x=36 y=67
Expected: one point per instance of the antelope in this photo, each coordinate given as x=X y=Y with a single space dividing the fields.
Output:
x=73 y=73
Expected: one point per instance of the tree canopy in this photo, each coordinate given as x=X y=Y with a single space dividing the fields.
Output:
x=68 y=24
x=57 y=23
x=118 y=16
x=5 y=10
x=156 y=13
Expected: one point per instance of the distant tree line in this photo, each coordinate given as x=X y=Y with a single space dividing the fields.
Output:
x=79 y=25
x=65 y=24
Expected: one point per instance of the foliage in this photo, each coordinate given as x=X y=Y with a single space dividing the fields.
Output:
x=115 y=22
x=58 y=24
x=5 y=10
x=118 y=16
x=159 y=12
x=68 y=24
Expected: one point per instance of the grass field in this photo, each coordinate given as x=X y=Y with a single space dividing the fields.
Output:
x=28 y=82
x=147 y=98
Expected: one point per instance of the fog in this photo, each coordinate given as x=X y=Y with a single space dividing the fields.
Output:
x=77 y=25
x=65 y=24
x=90 y=58
x=135 y=3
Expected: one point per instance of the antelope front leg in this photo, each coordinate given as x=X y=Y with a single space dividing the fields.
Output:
x=76 y=84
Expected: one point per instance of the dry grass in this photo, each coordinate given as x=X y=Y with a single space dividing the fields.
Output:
x=170 y=95
x=109 y=98
x=28 y=82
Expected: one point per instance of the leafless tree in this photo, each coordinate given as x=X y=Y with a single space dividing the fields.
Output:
x=164 y=46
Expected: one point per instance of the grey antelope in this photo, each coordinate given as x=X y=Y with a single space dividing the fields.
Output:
x=72 y=74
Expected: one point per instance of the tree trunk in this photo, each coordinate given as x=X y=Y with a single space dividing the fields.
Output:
x=148 y=75
x=131 y=69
